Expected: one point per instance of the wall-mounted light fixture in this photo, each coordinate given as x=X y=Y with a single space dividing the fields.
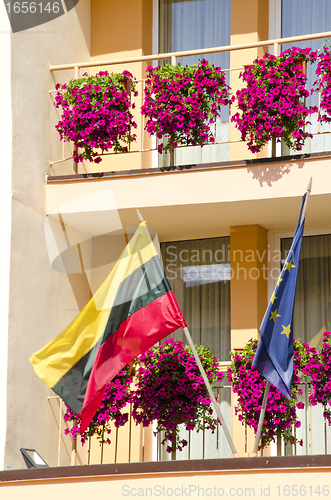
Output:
x=32 y=459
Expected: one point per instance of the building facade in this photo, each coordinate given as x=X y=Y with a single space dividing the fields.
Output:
x=224 y=217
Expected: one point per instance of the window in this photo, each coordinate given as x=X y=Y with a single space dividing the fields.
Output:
x=198 y=24
x=199 y=272
x=312 y=316
x=195 y=24
x=303 y=17
x=312 y=310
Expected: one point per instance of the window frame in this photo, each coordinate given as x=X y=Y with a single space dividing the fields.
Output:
x=274 y=244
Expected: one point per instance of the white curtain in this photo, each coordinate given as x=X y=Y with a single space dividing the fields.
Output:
x=198 y=272
x=198 y=24
x=312 y=310
x=195 y=24
x=312 y=316
x=303 y=17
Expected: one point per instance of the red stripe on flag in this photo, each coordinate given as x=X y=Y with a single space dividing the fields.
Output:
x=135 y=335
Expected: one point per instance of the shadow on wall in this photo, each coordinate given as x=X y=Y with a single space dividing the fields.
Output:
x=83 y=12
x=271 y=174
x=268 y=175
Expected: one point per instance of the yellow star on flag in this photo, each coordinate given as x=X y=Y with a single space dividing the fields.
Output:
x=279 y=280
x=286 y=330
x=273 y=297
x=274 y=315
x=289 y=266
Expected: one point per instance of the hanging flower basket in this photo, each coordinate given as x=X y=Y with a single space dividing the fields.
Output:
x=170 y=389
x=319 y=369
x=272 y=105
x=96 y=114
x=115 y=398
x=323 y=84
x=181 y=103
x=280 y=416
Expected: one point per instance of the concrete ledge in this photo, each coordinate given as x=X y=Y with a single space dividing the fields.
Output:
x=249 y=464
x=183 y=168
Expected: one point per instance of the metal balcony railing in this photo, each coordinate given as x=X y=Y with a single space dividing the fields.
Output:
x=272 y=46
x=130 y=444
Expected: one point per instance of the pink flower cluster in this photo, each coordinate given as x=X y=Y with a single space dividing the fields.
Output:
x=96 y=114
x=170 y=389
x=323 y=84
x=319 y=368
x=272 y=103
x=115 y=398
x=181 y=103
x=249 y=384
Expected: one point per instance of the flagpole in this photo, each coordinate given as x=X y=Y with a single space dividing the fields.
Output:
x=267 y=387
x=211 y=394
x=262 y=413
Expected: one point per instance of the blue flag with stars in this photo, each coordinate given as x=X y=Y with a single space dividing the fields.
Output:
x=275 y=353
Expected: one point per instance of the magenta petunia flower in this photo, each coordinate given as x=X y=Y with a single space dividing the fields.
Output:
x=192 y=97
x=99 y=124
x=178 y=399
x=271 y=105
x=249 y=386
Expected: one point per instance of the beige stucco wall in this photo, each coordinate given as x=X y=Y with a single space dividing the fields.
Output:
x=41 y=301
x=5 y=213
x=249 y=265
x=249 y=23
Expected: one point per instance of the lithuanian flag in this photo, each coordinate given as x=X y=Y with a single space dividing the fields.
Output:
x=132 y=310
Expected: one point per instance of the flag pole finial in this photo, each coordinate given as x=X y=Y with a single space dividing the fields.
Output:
x=140 y=217
x=308 y=191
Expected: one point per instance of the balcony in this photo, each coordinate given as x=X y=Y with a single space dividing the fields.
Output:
x=227 y=147
x=135 y=444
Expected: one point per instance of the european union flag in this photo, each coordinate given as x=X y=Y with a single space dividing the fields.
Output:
x=275 y=353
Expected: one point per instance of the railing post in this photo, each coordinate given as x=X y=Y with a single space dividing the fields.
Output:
x=309 y=421
x=116 y=445
x=273 y=147
x=173 y=452
x=279 y=444
x=101 y=451
x=172 y=156
x=130 y=432
x=73 y=447
x=273 y=141
x=75 y=165
x=172 y=150
x=60 y=435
